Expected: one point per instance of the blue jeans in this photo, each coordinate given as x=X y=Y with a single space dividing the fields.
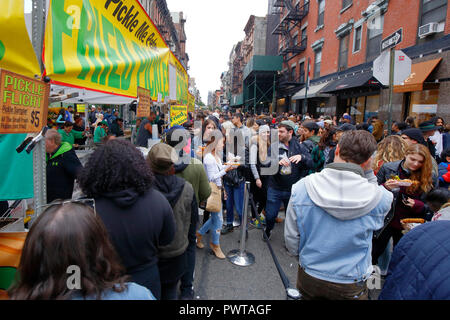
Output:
x=214 y=224
x=274 y=199
x=235 y=199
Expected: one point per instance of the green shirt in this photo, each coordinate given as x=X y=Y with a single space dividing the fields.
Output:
x=99 y=134
x=71 y=136
x=195 y=174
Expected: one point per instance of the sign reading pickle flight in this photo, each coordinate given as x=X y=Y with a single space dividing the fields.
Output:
x=145 y=102
x=109 y=46
x=23 y=104
x=178 y=115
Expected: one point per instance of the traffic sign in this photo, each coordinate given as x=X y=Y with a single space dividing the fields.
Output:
x=402 y=67
x=393 y=40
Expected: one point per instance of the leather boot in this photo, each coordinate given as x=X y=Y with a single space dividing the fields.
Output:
x=200 y=244
x=217 y=251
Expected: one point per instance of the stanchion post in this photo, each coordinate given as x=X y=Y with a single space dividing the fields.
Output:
x=241 y=257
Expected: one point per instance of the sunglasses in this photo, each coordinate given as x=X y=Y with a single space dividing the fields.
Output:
x=86 y=201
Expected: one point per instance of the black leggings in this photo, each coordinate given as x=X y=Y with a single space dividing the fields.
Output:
x=379 y=244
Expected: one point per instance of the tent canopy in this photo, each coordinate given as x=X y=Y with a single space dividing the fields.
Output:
x=89 y=96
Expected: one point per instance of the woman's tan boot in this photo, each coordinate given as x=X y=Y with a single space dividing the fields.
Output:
x=200 y=244
x=217 y=251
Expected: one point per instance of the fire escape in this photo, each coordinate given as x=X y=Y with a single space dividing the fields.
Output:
x=292 y=47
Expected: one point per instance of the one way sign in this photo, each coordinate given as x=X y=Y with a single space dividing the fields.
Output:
x=393 y=40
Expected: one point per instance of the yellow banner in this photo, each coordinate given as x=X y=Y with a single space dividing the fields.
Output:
x=191 y=102
x=110 y=46
x=178 y=115
x=16 y=52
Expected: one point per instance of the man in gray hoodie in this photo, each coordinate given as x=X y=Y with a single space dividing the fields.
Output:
x=330 y=221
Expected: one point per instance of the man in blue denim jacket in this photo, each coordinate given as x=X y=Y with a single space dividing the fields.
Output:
x=330 y=222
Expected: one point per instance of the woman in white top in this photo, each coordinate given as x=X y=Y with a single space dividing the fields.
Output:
x=215 y=170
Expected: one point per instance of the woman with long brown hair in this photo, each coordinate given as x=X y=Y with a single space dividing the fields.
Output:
x=390 y=149
x=66 y=237
x=408 y=200
x=215 y=170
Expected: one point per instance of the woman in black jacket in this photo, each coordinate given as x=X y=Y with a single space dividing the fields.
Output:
x=408 y=200
x=138 y=218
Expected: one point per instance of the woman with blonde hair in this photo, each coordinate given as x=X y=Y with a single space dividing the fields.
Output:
x=409 y=201
x=390 y=149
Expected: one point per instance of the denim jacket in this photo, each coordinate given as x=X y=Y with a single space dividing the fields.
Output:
x=333 y=237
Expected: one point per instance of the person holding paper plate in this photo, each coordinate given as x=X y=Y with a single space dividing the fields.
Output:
x=409 y=180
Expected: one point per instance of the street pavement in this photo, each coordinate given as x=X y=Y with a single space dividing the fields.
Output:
x=217 y=279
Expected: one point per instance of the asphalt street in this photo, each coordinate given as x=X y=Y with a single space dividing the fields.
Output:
x=217 y=279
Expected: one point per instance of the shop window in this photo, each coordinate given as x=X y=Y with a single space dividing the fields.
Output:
x=423 y=105
x=357 y=109
x=372 y=106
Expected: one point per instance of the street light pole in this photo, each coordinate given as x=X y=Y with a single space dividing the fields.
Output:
x=391 y=88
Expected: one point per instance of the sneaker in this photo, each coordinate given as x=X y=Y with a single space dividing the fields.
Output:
x=227 y=229
x=188 y=295
x=256 y=223
x=262 y=219
x=279 y=220
x=267 y=233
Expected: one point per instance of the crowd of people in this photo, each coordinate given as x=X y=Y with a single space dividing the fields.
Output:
x=346 y=189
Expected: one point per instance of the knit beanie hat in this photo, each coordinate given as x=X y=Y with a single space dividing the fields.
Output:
x=414 y=134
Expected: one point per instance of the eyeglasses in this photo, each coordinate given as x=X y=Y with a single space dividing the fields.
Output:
x=86 y=201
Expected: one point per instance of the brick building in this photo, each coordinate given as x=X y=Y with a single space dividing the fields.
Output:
x=339 y=39
x=170 y=26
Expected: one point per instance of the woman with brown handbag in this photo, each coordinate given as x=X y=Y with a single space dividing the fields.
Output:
x=215 y=170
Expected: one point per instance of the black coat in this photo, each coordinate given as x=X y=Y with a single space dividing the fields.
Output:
x=62 y=169
x=137 y=225
x=299 y=170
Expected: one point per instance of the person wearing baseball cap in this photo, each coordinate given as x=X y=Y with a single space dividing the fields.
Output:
x=428 y=129
x=181 y=196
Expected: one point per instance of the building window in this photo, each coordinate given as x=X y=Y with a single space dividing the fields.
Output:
x=343 y=52
x=357 y=39
x=302 y=72
x=433 y=11
x=303 y=37
x=346 y=3
x=321 y=18
x=293 y=73
x=374 y=37
x=317 y=61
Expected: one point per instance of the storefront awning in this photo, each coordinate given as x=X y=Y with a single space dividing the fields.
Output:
x=419 y=74
x=359 y=80
x=314 y=91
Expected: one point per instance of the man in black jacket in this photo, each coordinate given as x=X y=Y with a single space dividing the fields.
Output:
x=173 y=258
x=294 y=161
x=62 y=167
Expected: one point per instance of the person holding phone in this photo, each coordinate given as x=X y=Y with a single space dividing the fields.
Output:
x=409 y=180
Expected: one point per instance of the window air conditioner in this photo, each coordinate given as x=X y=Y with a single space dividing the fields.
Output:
x=427 y=29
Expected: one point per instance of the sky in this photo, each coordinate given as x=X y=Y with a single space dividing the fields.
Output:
x=212 y=28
